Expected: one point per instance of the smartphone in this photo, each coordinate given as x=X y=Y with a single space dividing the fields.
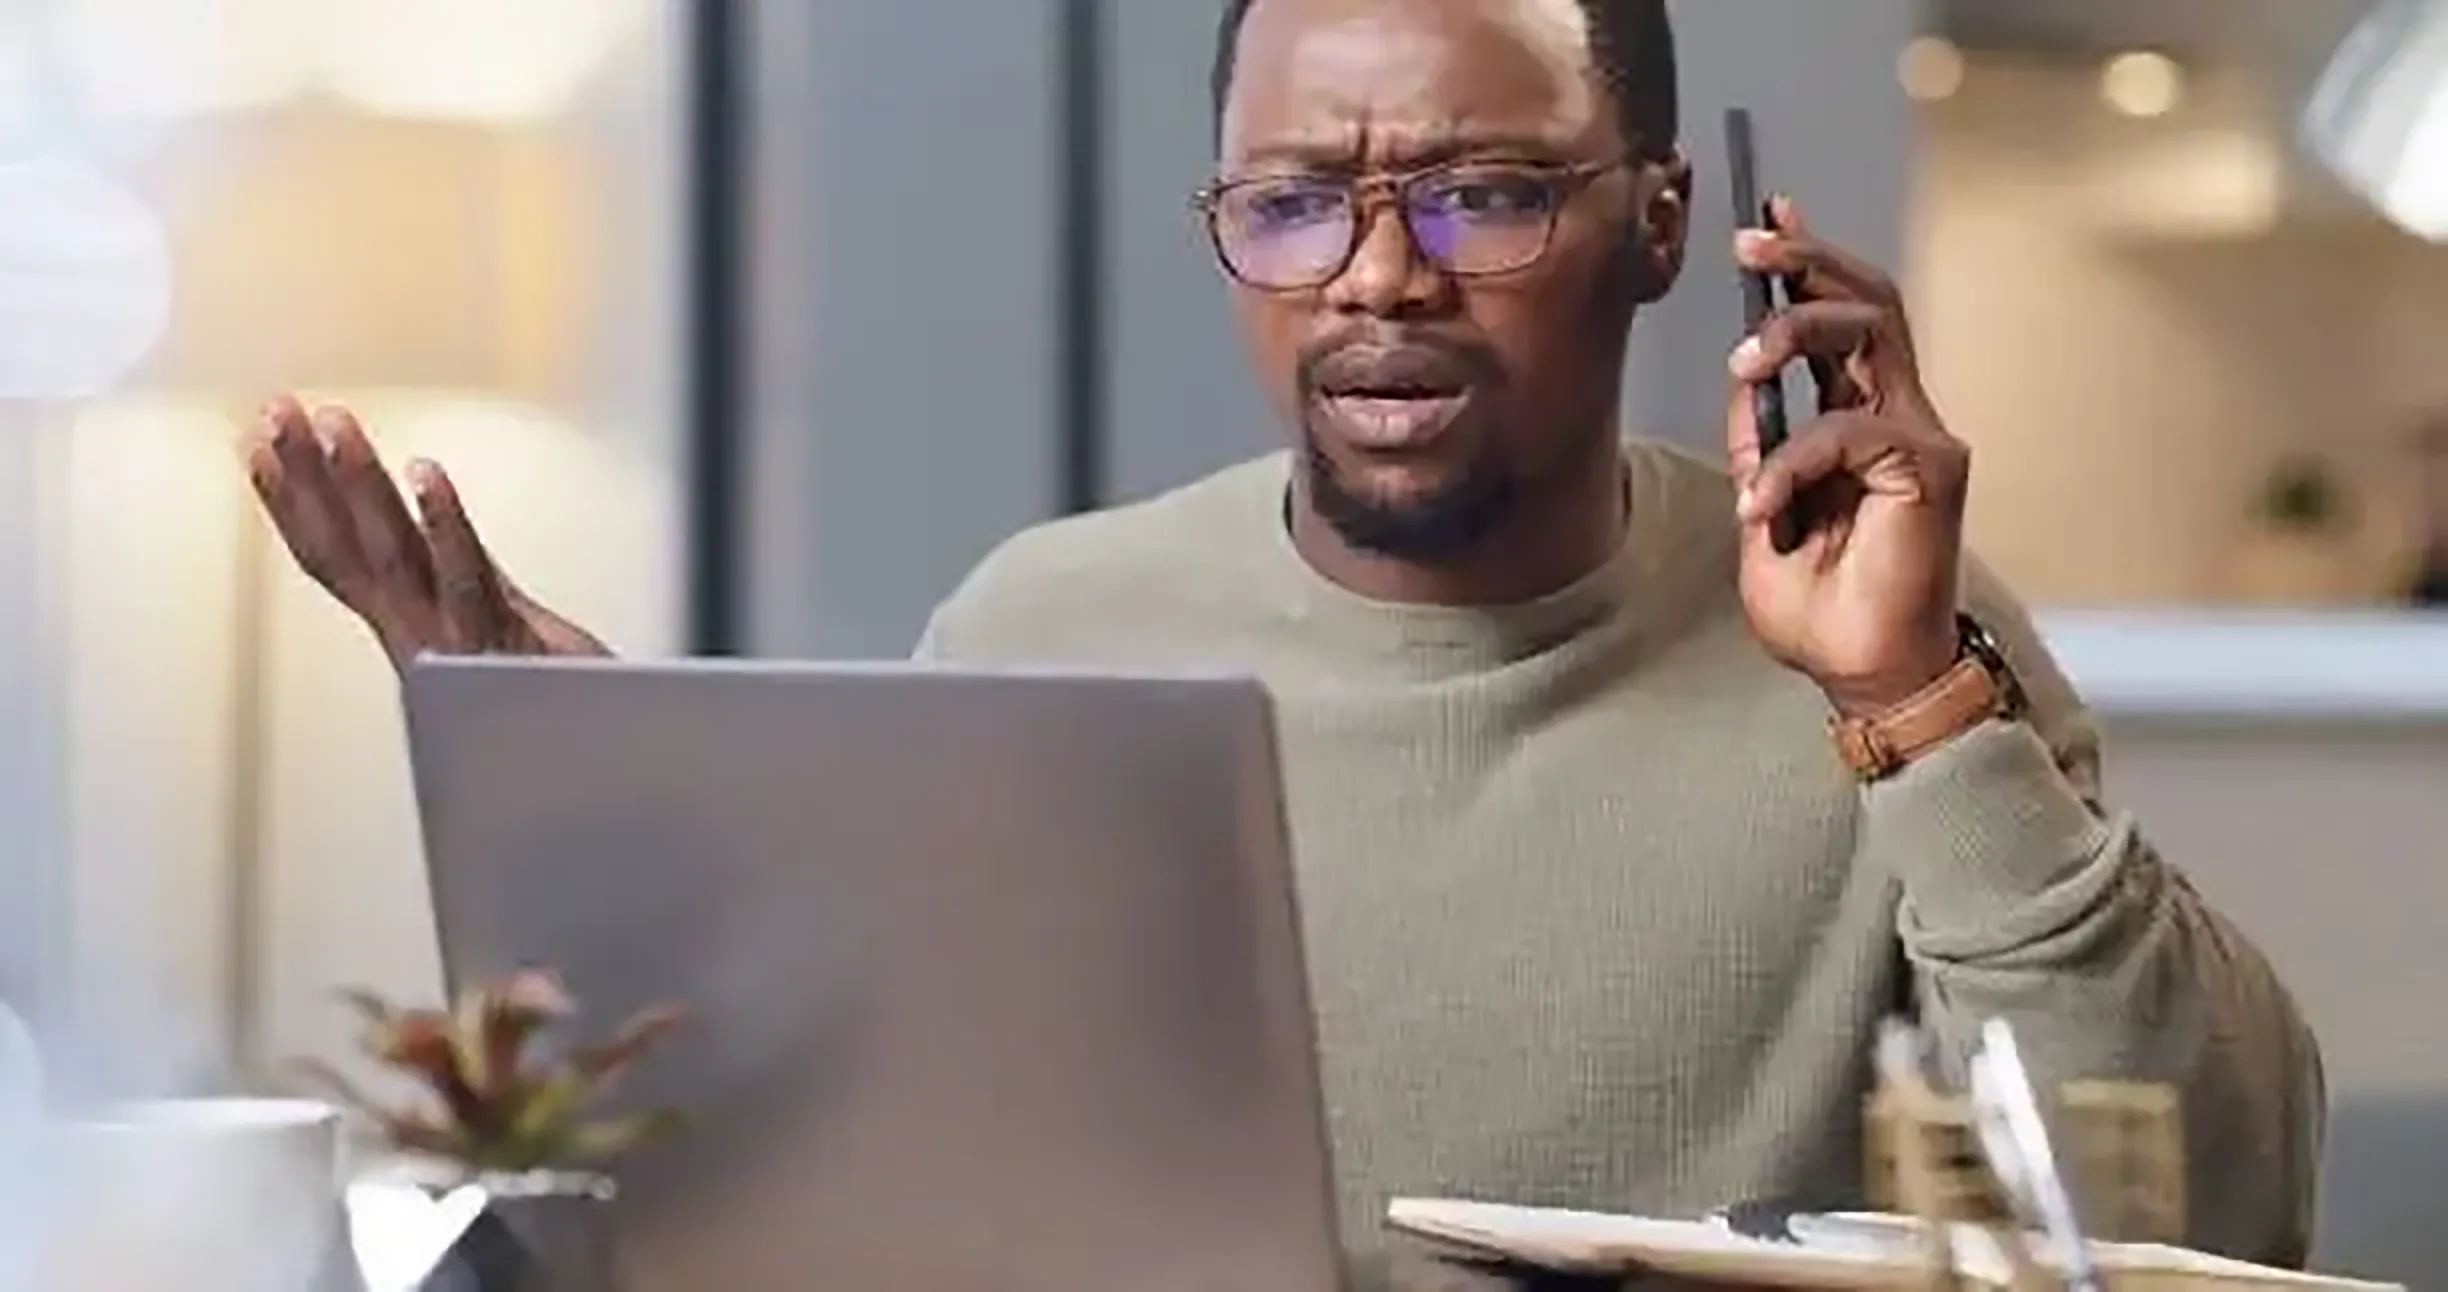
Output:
x=1759 y=301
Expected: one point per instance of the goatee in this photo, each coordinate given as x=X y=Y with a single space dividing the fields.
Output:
x=1441 y=526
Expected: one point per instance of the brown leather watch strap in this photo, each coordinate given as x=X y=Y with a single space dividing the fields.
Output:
x=1978 y=688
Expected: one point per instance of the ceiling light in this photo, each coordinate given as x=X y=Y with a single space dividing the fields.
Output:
x=2141 y=83
x=1930 y=69
x=2379 y=117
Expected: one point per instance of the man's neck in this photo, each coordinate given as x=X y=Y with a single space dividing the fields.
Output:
x=1552 y=539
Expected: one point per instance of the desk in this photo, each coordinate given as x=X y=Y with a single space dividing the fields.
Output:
x=2359 y=666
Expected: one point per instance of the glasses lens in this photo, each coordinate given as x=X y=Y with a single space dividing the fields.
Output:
x=1284 y=233
x=1483 y=220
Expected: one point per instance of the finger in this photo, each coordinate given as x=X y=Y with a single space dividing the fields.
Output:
x=1832 y=330
x=474 y=607
x=1742 y=433
x=1835 y=387
x=1814 y=268
x=1849 y=277
x=1834 y=378
x=1743 y=451
x=1785 y=214
x=1835 y=384
x=1786 y=218
x=1877 y=452
x=395 y=552
x=1828 y=329
x=291 y=477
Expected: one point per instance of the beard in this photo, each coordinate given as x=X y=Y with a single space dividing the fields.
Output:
x=1439 y=526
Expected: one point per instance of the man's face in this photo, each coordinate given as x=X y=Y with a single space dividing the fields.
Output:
x=1431 y=406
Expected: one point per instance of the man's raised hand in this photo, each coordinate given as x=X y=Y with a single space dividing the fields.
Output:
x=420 y=579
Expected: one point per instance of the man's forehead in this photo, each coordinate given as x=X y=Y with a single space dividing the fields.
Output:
x=1526 y=61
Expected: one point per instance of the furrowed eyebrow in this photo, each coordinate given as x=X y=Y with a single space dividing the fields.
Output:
x=1336 y=155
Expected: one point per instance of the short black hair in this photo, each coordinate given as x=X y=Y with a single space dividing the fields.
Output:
x=1631 y=44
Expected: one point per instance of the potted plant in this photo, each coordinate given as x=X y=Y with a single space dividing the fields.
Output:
x=508 y=1107
x=2300 y=547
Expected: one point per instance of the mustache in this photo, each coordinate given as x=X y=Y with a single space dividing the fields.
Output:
x=1460 y=361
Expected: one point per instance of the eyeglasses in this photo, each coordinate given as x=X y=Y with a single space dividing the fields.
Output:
x=1471 y=219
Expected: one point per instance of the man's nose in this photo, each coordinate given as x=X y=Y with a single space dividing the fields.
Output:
x=1388 y=274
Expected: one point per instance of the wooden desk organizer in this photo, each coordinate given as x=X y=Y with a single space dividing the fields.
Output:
x=2121 y=1148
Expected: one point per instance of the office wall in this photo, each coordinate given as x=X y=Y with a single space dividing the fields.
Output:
x=1178 y=392
x=904 y=297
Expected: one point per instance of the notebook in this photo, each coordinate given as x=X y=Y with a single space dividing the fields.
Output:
x=1835 y=1251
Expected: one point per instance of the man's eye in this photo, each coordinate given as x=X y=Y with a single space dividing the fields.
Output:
x=1303 y=204
x=1490 y=196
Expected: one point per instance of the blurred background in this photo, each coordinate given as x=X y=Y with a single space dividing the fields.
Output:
x=748 y=325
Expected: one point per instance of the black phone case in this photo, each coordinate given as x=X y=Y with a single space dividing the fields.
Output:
x=1768 y=403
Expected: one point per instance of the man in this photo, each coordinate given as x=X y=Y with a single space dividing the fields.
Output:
x=1598 y=913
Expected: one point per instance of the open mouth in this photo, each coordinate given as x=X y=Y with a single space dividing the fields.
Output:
x=1393 y=398
x=1384 y=419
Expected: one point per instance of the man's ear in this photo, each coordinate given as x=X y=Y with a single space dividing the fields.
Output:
x=1664 y=219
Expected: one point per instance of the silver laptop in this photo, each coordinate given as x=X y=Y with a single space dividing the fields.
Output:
x=996 y=977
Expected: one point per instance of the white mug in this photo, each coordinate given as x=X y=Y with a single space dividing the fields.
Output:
x=238 y=1195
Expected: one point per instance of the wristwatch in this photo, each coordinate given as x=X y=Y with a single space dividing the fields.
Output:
x=1980 y=687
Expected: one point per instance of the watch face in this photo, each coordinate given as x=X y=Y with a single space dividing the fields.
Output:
x=1976 y=636
x=1981 y=645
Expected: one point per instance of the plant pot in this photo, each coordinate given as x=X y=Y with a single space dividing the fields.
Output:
x=534 y=1232
x=552 y=1239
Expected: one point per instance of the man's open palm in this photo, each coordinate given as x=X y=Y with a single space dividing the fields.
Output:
x=421 y=580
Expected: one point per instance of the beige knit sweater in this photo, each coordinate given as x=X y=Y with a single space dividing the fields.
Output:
x=1595 y=917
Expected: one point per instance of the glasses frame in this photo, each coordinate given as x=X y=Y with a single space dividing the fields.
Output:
x=1393 y=188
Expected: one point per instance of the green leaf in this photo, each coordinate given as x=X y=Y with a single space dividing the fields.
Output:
x=603 y=1064
x=507 y=1104
x=601 y=1141
x=423 y=1135
x=550 y=1108
x=471 y=1050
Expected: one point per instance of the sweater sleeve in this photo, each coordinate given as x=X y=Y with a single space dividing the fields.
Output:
x=2024 y=898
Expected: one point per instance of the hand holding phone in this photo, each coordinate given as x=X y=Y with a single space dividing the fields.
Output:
x=1785 y=529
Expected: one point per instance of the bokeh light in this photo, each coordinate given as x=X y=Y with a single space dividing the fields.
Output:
x=85 y=279
x=164 y=60
x=1930 y=69
x=2141 y=83
x=486 y=60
